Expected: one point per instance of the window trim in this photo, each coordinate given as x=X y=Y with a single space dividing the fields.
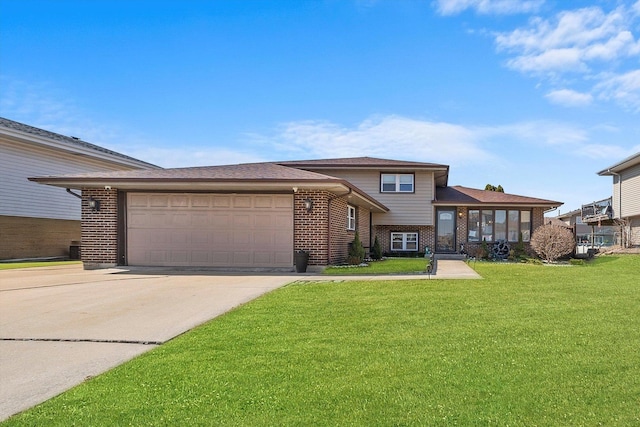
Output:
x=398 y=183
x=405 y=240
x=478 y=227
x=351 y=220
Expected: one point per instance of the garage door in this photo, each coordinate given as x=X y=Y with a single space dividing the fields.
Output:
x=210 y=230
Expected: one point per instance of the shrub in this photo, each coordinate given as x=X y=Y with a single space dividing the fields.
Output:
x=552 y=242
x=376 y=251
x=356 y=251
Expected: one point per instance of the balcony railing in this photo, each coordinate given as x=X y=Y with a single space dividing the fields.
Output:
x=597 y=211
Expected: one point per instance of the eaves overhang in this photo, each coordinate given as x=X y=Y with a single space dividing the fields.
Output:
x=339 y=187
x=621 y=166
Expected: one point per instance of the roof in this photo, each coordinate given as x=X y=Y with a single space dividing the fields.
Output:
x=241 y=177
x=465 y=196
x=441 y=172
x=361 y=162
x=620 y=166
x=67 y=142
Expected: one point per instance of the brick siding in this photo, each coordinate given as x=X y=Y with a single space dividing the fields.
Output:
x=426 y=235
x=22 y=237
x=100 y=229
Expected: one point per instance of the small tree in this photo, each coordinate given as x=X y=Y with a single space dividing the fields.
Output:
x=376 y=251
x=552 y=242
x=356 y=251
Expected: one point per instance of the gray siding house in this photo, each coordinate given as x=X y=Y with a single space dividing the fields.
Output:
x=42 y=221
x=626 y=197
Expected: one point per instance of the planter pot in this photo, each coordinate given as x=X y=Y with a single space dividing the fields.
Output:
x=301 y=260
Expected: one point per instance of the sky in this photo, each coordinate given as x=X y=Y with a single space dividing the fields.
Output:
x=534 y=95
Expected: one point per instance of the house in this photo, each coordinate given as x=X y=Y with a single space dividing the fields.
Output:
x=42 y=221
x=257 y=215
x=589 y=233
x=626 y=197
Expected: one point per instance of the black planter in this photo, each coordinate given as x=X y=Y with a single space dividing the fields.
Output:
x=301 y=259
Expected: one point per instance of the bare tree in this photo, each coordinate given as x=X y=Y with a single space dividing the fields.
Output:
x=552 y=242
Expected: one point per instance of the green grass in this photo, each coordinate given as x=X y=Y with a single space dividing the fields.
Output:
x=31 y=264
x=387 y=266
x=529 y=345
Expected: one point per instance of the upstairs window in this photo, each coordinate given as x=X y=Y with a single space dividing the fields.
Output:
x=396 y=183
x=351 y=218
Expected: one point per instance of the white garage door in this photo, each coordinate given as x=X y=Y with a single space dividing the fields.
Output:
x=210 y=230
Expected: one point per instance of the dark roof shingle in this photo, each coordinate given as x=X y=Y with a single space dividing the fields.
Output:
x=471 y=196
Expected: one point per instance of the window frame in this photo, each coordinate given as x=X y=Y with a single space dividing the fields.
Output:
x=351 y=219
x=397 y=183
x=405 y=241
x=485 y=226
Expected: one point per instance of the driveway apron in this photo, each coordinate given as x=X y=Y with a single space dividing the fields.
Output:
x=62 y=325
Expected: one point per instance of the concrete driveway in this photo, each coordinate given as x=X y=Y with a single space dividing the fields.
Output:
x=62 y=325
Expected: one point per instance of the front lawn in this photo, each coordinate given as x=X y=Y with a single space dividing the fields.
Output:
x=528 y=345
x=387 y=266
x=32 y=264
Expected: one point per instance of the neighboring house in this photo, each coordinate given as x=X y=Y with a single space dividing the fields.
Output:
x=42 y=221
x=592 y=234
x=257 y=215
x=626 y=198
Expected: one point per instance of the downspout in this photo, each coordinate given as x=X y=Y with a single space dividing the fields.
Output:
x=619 y=202
x=329 y=200
x=74 y=194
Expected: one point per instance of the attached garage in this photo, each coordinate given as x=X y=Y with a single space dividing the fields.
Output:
x=209 y=230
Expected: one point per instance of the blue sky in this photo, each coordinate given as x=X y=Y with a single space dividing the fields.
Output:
x=533 y=95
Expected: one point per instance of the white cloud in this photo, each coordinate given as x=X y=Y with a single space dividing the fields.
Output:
x=569 y=98
x=570 y=41
x=390 y=136
x=622 y=88
x=487 y=7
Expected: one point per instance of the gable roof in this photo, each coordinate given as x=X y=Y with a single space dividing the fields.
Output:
x=622 y=165
x=441 y=172
x=241 y=177
x=465 y=196
x=34 y=135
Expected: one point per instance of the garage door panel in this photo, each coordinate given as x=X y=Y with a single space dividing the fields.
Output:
x=215 y=230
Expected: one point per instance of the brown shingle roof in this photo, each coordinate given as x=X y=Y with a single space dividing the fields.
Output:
x=360 y=162
x=241 y=172
x=458 y=195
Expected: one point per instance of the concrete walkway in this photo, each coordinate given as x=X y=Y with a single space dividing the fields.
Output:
x=61 y=325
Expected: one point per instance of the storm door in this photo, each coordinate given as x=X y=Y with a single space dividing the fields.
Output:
x=446 y=230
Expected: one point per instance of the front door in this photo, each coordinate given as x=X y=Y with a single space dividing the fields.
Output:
x=446 y=230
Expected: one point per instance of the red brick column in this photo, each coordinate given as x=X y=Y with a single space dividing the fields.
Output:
x=99 y=229
x=310 y=229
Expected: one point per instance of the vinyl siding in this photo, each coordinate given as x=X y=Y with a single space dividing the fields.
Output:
x=630 y=193
x=23 y=198
x=404 y=208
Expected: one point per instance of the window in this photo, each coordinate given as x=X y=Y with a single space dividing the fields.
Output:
x=396 y=183
x=474 y=225
x=404 y=241
x=499 y=224
x=351 y=218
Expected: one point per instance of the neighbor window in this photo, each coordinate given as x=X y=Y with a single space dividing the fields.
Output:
x=351 y=218
x=404 y=241
x=396 y=183
x=498 y=224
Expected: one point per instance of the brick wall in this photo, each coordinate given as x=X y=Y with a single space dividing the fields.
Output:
x=310 y=229
x=426 y=235
x=22 y=237
x=100 y=229
x=323 y=231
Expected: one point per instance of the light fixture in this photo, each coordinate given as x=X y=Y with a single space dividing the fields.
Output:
x=308 y=204
x=460 y=214
x=94 y=204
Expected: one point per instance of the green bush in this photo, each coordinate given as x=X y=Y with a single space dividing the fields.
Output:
x=356 y=251
x=376 y=251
